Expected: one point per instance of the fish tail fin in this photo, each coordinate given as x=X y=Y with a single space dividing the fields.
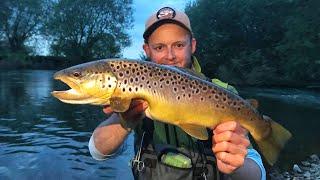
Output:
x=271 y=145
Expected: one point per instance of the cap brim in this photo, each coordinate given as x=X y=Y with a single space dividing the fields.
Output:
x=154 y=26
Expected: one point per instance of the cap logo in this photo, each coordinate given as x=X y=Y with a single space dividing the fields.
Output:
x=166 y=13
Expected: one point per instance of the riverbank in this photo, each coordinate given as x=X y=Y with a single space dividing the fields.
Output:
x=19 y=61
x=307 y=169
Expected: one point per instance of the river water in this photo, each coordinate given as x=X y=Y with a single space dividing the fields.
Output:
x=43 y=138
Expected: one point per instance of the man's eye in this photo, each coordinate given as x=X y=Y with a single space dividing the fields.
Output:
x=159 y=48
x=179 y=45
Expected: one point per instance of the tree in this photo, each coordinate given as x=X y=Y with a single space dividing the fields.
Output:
x=257 y=42
x=300 y=47
x=19 y=21
x=88 y=29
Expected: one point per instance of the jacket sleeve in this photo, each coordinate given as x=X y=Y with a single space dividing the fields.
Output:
x=224 y=85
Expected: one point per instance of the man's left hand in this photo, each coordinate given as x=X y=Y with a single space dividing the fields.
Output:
x=229 y=144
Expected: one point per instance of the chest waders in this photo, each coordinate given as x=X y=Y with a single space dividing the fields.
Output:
x=165 y=162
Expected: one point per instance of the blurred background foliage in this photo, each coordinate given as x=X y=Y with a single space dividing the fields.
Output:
x=243 y=42
x=265 y=42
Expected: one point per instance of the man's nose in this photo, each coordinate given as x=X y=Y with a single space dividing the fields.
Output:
x=171 y=55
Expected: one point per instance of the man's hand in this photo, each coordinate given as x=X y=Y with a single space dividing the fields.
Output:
x=134 y=113
x=229 y=144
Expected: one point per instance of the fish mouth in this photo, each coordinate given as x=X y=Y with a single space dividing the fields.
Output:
x=74 y=95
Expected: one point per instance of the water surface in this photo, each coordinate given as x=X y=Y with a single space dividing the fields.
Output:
x=44 y=138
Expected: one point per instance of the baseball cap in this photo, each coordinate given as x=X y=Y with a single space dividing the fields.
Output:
x=163 y=16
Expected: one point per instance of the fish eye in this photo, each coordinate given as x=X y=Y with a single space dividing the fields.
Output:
x=76 y=74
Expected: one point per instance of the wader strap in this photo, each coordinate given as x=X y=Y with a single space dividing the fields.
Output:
x=167 y=133
x=175 y=135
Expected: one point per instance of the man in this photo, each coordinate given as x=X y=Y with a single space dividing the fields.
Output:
x=168 y=40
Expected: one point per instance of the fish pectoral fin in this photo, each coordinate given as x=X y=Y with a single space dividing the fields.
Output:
x=119 y=104
x=253 y=102
x=128 y=125
x=195 y=131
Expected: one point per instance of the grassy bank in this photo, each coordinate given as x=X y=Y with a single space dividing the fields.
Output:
x=21 y=61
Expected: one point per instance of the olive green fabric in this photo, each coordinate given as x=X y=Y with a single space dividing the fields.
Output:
x=184 y=140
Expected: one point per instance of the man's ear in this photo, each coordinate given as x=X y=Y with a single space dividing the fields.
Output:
x=146 y=49
x=193 y=45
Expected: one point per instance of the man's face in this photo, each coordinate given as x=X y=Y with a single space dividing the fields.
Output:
x=170 y=44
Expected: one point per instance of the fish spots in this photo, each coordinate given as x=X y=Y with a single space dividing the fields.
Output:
x=216 y=97
x=175 y=89
x=204 y=88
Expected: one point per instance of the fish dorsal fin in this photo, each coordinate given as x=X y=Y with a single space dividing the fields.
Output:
x=195 y=131
x=188 y=71
x=119 y=104
x=253 y=102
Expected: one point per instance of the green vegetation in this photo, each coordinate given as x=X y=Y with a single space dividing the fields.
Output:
x=243 y=42
x=78 y=30
x=87 y=30
x=265 y=42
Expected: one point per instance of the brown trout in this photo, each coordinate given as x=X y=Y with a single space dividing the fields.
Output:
x=174 y=96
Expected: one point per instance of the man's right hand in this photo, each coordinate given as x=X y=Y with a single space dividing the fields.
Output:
x=134 y=113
